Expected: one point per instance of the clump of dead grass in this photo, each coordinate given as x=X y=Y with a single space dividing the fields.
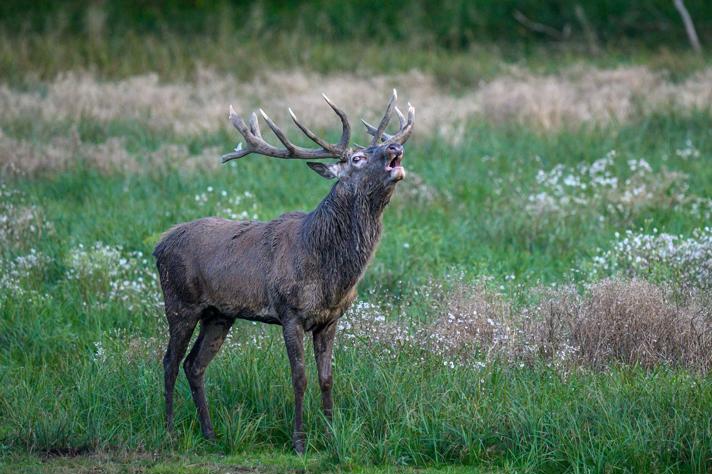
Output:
x=63 y=152
x=634 y=322
x=550 y=102
x=613 y=321
x=620 y=321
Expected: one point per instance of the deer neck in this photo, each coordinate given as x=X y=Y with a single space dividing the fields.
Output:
x=342 y=233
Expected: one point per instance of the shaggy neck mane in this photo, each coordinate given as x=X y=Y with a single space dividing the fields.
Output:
x=343 y=231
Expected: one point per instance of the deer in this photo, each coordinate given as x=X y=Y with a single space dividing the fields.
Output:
x=298 y=271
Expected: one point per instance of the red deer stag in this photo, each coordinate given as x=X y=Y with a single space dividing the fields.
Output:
x=299 y=271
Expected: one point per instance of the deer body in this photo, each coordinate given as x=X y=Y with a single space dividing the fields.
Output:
x=258 y=270
x=299 y=271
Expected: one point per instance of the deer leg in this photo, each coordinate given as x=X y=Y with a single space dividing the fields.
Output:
x=294 y=340
x=212 y=335
x=323 y=349
x=180 y=332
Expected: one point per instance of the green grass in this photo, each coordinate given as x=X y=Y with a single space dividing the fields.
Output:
x=80 y=361
x=30 y=56
x=501 y=418
x=475 y=221
x=260 y=463
x=65 y=396
x=26 y=58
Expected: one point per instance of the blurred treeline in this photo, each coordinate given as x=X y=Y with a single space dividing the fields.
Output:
x=448 y=24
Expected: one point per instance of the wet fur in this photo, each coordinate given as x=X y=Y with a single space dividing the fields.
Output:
x=299 y=271
x=308 y=263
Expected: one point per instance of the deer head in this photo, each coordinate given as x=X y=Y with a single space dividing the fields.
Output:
x=366 y=168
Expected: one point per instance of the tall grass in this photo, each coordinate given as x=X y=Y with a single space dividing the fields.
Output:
x=81 y=332
x=530 y=418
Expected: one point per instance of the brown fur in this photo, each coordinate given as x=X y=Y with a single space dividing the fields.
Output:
x=299 y=271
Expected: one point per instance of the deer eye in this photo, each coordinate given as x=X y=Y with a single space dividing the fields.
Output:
x=358 y=158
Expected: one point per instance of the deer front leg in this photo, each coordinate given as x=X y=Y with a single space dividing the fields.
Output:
x=294 y=340
x=323 y=349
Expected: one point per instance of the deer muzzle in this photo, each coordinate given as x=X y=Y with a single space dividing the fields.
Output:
x=394 y=156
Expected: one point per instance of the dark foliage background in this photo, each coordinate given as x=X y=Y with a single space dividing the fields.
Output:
x=452 y=24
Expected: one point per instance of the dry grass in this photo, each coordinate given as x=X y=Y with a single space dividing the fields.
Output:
x=24 y=157
x=634 y=322
x=614 y=321
x=577 y=96
x=624 y=321
x=570 y=99
x=589 y=96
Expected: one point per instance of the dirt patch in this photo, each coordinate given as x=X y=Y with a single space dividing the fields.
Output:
x=87 y=461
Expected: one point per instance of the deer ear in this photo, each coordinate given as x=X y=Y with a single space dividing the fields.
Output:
x=330 y=171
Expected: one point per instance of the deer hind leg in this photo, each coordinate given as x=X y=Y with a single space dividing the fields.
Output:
x=181 y=324
x=294 y=340
x=212 y=335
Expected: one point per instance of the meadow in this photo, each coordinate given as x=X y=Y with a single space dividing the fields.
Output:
x=540 y=300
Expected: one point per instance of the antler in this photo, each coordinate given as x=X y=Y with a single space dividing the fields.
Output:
x=406 y=125
x=256 y=144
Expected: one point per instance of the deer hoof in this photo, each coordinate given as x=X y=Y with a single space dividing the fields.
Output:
x=298 y=443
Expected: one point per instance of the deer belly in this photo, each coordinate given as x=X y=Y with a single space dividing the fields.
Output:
x=262 y=319
x=265 y=314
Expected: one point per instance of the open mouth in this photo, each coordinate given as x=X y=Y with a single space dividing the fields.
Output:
x=395 y=162
x=395 y=170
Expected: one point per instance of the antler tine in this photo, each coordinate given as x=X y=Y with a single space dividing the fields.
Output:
x=384 y=121
x=312 y=136
x=371 y=130
x=346 y=127
x=254 y=141
x=254 y=125
x=406 y=127
x=279 y=133
x=338 y=149
x=401 y=118
x=241 y=127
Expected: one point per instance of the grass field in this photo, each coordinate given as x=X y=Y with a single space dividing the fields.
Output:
x=540 y=301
